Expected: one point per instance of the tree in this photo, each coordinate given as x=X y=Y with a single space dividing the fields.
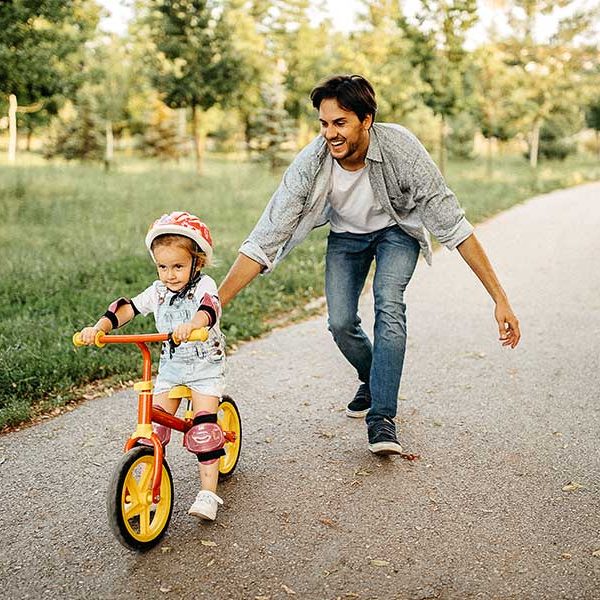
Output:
x=78 y=133
x=272 y=127
x=551 y=71
x=40 y=44
x=592 y=119
x=196 y=64
x=496 y=97
x=381 y=51
x=161 y=139
x=437 y=34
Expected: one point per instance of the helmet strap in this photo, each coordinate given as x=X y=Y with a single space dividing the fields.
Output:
x=194 y=278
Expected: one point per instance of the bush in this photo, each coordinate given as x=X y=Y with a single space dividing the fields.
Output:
x=554 y=144
x=461 y=139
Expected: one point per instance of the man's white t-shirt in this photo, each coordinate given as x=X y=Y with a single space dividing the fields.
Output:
x=354 y=207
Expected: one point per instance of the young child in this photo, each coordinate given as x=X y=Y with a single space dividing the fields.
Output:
x=182 y=299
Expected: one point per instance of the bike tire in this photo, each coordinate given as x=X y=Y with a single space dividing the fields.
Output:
x=129 y=500
x=229 y=419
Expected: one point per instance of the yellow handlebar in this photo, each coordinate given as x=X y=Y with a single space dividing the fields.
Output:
x=197 y=335
x=101 y=339
x=78 y=342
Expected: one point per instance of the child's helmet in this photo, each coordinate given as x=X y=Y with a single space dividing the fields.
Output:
x=182 y=223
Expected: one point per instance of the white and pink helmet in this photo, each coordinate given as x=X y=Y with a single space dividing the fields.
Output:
x=182 y=223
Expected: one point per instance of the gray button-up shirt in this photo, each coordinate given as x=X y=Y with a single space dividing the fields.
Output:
x=404 y=179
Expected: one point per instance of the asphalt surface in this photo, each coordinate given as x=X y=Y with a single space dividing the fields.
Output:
x=503 y=502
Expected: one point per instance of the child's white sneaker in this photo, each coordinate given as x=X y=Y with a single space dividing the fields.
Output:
x=205 y=505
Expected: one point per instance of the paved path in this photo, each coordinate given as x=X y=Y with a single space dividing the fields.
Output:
x=311 y=514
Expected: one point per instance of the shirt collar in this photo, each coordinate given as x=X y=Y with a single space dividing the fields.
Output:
x=374 y=149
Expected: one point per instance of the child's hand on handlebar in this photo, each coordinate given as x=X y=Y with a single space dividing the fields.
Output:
x=88 y=335
x=182 y=332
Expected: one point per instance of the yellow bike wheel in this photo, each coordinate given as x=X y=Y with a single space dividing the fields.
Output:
x=229 y=420
x=137 y=522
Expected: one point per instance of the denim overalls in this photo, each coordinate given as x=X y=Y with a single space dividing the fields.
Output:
x=199 y=365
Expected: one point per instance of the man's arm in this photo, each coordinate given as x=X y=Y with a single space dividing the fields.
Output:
x=242 y=272
x=474 y=255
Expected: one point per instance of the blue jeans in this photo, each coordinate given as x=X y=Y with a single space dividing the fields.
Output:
x=349 y=257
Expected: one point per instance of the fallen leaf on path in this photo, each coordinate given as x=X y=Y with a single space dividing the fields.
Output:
x=262 y=597
x=165 y=549
x=362 y=472
x=328 y=522
x=211 y=562
x=288 y=590
x=165 y=590
x=208 y=543
x=408 y=456
x=326 y=434
x=566 y=556
x=596 y=553
x=379 y=563
x=572 y=486
x=474 y=354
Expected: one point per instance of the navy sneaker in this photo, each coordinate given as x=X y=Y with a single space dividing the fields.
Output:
x=382 y=437
x=361 y=404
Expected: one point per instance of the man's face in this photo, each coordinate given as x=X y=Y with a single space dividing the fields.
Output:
x=346 y=135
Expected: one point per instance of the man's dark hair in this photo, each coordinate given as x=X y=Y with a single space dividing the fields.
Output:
x=353 y=93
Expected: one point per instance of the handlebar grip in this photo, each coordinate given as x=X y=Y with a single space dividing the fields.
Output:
x=78 y=342
x=197 y=335
x=98 y=339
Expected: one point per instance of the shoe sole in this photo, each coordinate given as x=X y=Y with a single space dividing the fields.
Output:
x=201 y=515
x=356 y=414
x=383 y=448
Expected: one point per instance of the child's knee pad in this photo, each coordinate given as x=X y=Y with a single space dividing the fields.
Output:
x=205 y=438
x=163 y=432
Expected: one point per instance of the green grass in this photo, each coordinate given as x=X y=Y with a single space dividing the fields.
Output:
x=71 y=240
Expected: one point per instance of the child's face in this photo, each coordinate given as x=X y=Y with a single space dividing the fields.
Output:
x=174 y=265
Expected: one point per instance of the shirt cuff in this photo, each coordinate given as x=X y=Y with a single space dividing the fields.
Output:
x=256 y=253
x=459 y=234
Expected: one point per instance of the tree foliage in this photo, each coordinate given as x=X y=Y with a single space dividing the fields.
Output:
x=41 y=46
x=196 y=64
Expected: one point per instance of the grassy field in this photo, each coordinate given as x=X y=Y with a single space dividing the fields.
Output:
x=71 y=238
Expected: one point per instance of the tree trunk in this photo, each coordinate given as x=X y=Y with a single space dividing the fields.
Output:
x=110 y=146
x=442 y=156
x=12 y=128
x=182 y=136
x=490 y=157
x=28 y=139
x=198 y=138
x=598 y=144
x=535 y=144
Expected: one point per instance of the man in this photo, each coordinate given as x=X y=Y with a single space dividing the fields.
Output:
x=381 y=193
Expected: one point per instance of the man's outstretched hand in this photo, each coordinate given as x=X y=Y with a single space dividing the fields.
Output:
x=508 y=325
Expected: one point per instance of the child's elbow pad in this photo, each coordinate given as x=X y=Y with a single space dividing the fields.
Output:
x=111 y=313
x=205 y=439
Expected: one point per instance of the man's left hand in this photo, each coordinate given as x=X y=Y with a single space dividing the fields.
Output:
x=508 y=325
